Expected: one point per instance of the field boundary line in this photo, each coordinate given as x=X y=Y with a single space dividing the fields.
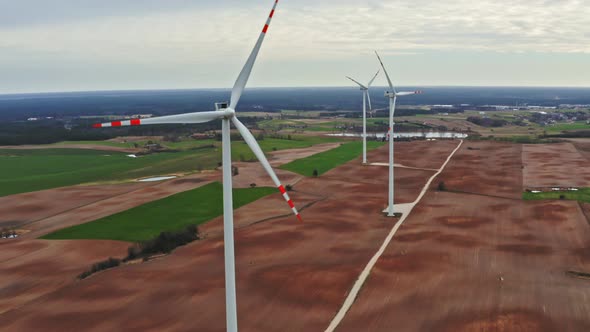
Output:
x=352 y=295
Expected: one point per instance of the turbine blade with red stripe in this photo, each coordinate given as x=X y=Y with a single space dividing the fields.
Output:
x=245 y=73
x=198 y=117
x=251 y=141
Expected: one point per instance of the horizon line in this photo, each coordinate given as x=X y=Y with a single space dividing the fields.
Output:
x=290 y=87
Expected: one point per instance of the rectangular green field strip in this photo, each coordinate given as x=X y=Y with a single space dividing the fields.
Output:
x=172 y=213
x=582 y=195
x=325 y=161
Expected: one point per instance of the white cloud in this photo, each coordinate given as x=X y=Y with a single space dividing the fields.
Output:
x=303 y=31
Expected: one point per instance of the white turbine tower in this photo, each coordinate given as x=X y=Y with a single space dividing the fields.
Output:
x=392 y=95
x=226 y=114
x=366 y=96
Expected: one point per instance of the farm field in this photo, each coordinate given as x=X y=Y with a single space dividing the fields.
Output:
x=44 y=168
x=325 y=161
x=494 y=262
x=580 y=195
x=476 y=256
x=554 y=165
x=312 y=265
x=168 y=214
x=32 y=170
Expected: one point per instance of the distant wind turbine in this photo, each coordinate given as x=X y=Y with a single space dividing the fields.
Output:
x=392 y=95
x=226 y=114
x=366 y=96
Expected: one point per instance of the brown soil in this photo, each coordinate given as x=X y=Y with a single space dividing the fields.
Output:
x=549 y=165
x=285 y=268
x=506 y=274
x=487 y=168
x=419 y=154
x=279 y=158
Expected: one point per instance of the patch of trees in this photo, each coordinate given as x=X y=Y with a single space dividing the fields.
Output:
x=164 y=243
x=100 y=266
x=487 y=122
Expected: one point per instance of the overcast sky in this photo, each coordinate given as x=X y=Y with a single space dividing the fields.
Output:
x=72 y=45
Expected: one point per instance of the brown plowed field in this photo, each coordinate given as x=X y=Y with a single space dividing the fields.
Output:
x=419 y=154
x=292 y=276
x=86 y=203
x=549 y=165
x=582 y=145
x=285 y=156
x=30 y=269
x=488 y=168
x=487 y=264
x=22 y=209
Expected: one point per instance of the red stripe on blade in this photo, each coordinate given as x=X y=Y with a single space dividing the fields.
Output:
x=135 y=122
x=265 y=28
x=299 y=217
x=116 y=123
x=282 y=189
x=97 y=125
x=272 y=12
x=291 y=203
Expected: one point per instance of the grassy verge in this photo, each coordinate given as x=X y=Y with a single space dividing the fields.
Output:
x=325 y=161
x=582 y=195
x=173 y=213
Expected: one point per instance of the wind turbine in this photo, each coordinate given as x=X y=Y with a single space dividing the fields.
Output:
x=392 y=95
x=226 y=113
x=366 y=96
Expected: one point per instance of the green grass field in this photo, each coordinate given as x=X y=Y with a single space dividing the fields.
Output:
x=173 y=213
x=325 y=161
x=580 y=125
x=32 y=170
x=582 y=195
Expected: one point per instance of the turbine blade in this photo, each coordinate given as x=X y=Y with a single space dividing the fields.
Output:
x=355 y=81
x=242 y=79
x=373 y=79
x=369 y=98
x=251 y=141
x=407 y=93
x=198 y=117
x=385 y=71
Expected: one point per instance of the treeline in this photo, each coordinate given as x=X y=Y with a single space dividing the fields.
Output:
x=164 y=243
x=487 y=122
x=53 y=131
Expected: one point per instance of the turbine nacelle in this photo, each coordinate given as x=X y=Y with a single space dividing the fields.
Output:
x=390 y=94
x=221 y=106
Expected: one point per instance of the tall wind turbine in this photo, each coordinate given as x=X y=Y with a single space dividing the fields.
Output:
x=392 y=95
x=226 y=113
x=366 y=96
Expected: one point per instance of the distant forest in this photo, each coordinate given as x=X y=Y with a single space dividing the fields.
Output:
x=21 y=107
